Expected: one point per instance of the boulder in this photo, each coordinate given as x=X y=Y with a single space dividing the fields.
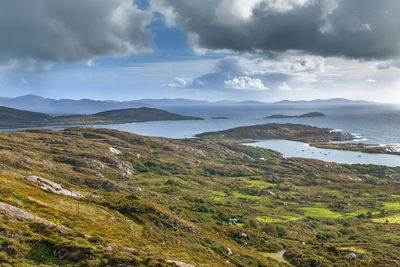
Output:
x=180 y=264
x=114 y=151
x=351 y=256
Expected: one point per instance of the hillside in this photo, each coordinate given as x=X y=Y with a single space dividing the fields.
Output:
x=141 y=114
x=86 y=197
x=13 y=118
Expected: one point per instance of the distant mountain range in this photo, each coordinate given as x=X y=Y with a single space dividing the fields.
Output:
x=306 y=115
x=16 y=118
x=332 y=101
x=88 y=106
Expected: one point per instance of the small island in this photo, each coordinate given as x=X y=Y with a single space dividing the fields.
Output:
x=306 y=115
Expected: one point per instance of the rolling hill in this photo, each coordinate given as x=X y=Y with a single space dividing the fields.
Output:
x=14 y=118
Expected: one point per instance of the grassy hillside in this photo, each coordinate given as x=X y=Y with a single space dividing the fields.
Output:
x=14 y=118
x=141 y=114
x=155 y=201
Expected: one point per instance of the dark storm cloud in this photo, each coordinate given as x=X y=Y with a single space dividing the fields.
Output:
x=363 y=29
x=71 y=30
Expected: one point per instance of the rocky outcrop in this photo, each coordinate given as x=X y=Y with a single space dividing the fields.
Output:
x=114 y=151
x=94 y=164
x=127 y=169
x=52 y=186
x=351 y=256
x=180 y=264
x=21 y=215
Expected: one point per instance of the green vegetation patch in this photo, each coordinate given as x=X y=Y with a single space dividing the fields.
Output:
x=320 y=213
x=280 y=219
x=389 y=206
x=356 y=250
x=388 y=219
x=260 y=184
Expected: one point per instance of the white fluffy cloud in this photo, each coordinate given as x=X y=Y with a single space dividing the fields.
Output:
x=72 y=30
x=245 y=83
x=176 y=83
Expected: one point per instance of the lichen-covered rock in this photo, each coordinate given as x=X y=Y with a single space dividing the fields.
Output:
x=22 y=215
x=351 y=256
x=114 y=151
x=52 y=186
x=95 y=165
x=180 y=264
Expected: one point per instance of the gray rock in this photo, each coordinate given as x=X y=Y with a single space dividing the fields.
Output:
x=52 y=186
x=114 y=150
x=351 y=256
x=180 y=264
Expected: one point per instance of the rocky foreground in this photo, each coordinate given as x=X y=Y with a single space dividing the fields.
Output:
x=85 y=197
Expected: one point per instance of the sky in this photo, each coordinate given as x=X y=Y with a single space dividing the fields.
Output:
x=265 y=50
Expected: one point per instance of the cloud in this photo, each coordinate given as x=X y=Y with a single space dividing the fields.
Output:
x=243 y=73
x=308 y=64
x=24 y=81
x=73 y=30
x=371 y=81
x=284 y=87
x=176 y=83
x=360 y=29
x=245 y=83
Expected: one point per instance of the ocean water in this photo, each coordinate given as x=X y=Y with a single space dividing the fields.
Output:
x=302 y=150
x=372 y=124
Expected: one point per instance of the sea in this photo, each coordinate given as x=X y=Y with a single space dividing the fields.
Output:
x=371 y=124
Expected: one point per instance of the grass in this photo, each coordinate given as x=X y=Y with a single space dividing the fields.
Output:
x=390 y=206
x=356 y=250
x=320 y=213
x=389 y=219
x=260 y=184
x=280 y=219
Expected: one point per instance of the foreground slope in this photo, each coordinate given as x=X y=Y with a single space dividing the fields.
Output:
x=162 y=202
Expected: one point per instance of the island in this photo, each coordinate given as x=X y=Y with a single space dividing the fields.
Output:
x=15 y=118
x=99 y=197
x=294 y=132
x=306 y=115
x=359 y=147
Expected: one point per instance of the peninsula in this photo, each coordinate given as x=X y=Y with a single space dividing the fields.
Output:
x=15 y=118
